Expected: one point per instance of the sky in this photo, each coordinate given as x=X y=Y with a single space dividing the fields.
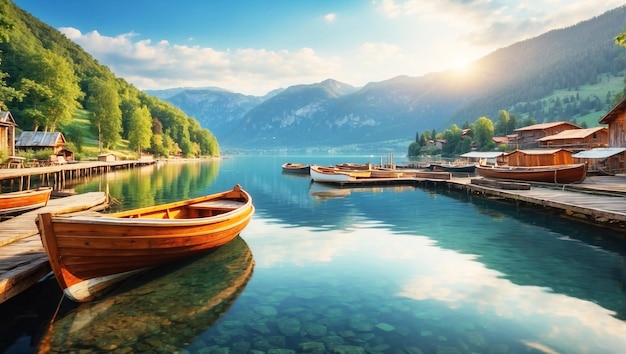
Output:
x=255 y=46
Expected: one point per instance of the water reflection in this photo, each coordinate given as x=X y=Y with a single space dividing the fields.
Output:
x=384 y=285
x=160 y=311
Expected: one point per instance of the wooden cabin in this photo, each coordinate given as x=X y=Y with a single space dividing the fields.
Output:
x=527 y=137
x=602 y=161
x=616 y=119
x=107 y=157
x=539 y=157
x=7 y=133
x=577 y=139
x=40 y=141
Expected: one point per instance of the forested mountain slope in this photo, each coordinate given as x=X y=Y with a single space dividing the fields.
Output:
x=52 y=77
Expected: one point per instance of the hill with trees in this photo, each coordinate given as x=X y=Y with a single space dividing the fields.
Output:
x=51 y=84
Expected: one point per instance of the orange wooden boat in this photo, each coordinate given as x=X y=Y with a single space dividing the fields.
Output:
x=574 y=173
x=24 y=200
x=89 y=253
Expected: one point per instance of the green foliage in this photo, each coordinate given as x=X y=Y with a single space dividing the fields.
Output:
x=53 y=78
x=4 y=155
x=106 y=116
x=483 y=134
x=140 y=129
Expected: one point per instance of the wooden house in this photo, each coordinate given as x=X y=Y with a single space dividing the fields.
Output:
x=40 y=141
x=616 y=119
x=577 y=139
x=604 y=161
x=107 y=157
x=527 y=137
x=539 y=157
x=7 y=133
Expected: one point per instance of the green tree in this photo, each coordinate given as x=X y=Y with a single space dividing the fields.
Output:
x=7 y=93
x=51 y=89
x=106 y=116
x=140 y=129
x=483 y=134
x=620 y=39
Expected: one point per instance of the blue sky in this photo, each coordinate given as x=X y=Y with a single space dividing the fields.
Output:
x=255 y=46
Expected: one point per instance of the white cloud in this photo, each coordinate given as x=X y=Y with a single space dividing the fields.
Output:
x=164 y=65
x=330 y=17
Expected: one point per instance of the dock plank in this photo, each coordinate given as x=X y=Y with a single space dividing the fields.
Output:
x=23 y=260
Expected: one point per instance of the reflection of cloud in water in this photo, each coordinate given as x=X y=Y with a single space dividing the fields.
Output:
x=425 y=271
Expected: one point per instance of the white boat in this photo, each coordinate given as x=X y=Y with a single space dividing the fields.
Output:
x=330 y=174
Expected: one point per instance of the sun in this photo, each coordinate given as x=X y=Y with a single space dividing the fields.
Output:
x=462 y=65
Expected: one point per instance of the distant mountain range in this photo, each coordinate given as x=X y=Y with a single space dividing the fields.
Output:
x=383 y=114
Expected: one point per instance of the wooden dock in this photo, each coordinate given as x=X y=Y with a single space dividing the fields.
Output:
x=56 y=175
x=23 y=260
x=600 y=201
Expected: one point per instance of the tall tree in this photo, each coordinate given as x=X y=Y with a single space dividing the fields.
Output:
x=140 y=129
x=483 y=134
x=106 y=115
x=7 y=93
x=51 y=90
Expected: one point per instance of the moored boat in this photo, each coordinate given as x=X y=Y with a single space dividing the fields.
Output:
x=469 y=168
x=24 y=200
x=331 y=174
x=89 y=253
x=297 y=168
x=573 y=173
x=191 y=295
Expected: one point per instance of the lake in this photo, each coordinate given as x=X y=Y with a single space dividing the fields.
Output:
x=329 y=270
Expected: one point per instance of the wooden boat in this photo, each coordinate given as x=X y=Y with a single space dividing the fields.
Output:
x=380 y=172
x=470 y=168
x=297 y=168
x=574 y=173
x=332 y=174
x=89 y=253
x=191 y=295
x=24 y=200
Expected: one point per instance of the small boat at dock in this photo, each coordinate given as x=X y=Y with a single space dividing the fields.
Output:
x=468 y=168
x=333 y=174
x=90 y=252
x=296 y=168
x=563 y=174
x=14 y=202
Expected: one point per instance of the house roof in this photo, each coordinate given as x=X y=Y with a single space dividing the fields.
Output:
x=39 y=139
x=536 y=152
x=6 y=118
x=573 y=134
x=501 y=139
x=483 y=154
x=598 y=153
x=542 y=126
x=612 y=114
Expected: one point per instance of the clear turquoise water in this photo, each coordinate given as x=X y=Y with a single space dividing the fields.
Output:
x=367 y=270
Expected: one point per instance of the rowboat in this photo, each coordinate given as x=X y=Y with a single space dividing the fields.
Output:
x=573 y=173
x=24 y=200
x=89 y=253
x=332 y=174
x=191 y=295
x=469 y=168
x=298 y=168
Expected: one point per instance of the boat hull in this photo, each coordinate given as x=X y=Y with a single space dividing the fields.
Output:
x=296 y=168
x=24 y=200
x=562 y=174
x=330 y=175
x=90 y=253
x=453 y=168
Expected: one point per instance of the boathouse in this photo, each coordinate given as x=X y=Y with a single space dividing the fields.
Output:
x=527 y=137
x=539 y=157
x=602 y=161
x=7 y=133
x=616 y=119
x=577 y=139
x=40 y=141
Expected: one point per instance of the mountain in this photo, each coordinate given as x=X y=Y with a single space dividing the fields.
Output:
x=331 y=114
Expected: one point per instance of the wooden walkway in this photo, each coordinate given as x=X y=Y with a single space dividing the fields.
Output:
x=23 y=260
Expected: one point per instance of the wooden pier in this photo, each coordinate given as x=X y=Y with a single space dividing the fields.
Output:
x=23 y=260
x=57 y=175
x=600 y=201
